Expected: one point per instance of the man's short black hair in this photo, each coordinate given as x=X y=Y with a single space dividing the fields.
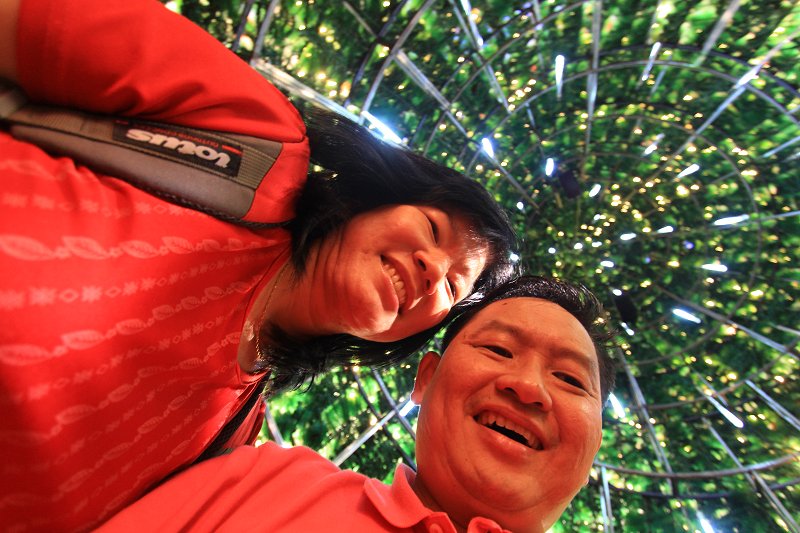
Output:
x=576 y=299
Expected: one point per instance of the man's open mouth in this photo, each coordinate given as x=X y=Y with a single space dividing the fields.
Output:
x=508 y=428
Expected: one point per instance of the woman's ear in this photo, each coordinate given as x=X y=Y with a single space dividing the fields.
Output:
x=425 y=370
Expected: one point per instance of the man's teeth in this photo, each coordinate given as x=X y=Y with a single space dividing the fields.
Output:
x=508 y=428
x=399 y=286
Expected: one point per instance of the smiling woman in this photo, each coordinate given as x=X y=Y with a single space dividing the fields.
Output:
x=390 y=274
x=375 y=195
x=163 y=321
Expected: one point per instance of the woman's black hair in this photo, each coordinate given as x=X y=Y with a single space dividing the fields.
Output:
x=576 y=299
x=360 y=173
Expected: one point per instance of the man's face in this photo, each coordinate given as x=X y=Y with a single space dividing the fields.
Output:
x=510 y=417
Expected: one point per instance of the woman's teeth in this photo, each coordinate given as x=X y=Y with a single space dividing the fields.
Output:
x=399 y=286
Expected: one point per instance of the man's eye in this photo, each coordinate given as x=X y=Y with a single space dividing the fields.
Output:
x=499 y=350
x=572 y=380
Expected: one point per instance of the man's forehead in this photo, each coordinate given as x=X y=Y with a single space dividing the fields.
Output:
x=530 y=321
x=501 y=313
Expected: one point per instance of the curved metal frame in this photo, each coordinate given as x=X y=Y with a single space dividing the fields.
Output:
x=470 y=150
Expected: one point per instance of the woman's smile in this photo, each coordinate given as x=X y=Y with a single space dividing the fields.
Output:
x=397 y=283
x=387 y=275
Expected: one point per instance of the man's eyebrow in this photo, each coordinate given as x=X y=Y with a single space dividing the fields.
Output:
x=520 y=335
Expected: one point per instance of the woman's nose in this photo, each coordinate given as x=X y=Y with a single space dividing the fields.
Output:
x=433 y=265
x=527 y=386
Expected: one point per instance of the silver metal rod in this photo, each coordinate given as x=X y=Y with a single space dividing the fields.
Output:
x=641 y=406
x=775 y=406
x=722 y=23
x=757 y=483
x=605 y=502
x=705 y=474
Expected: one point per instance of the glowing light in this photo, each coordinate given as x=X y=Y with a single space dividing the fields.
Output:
x=727 y=221
x=654 y=145
x=607 y=263
x=619 y=410
x=551 y=250
x=595 y=190
x=578 y=246
x=747 y=78
x=705 y=525
x=513 y=257
x=653 y=53
x=627 y=236
x=715 y=267
x=407 y=407
x=666 y=229
x=691 y=169
x=559 y=73
x=520 y=206
x=549 y=166
x=486 y=143
x=627 y=329
x=686 y=315
x=616 y=292
x=730 y=417
x=385 y=130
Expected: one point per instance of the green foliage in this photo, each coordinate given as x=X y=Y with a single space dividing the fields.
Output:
x=425 y=75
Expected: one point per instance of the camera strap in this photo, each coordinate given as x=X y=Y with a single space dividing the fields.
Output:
x=214 y=172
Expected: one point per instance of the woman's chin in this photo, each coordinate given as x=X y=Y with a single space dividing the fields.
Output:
x=383 y=330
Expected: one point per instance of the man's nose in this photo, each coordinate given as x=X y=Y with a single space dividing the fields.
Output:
x=527 y=386
x=433 y=264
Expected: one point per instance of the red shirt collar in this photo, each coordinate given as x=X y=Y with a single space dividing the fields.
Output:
x=400 y=506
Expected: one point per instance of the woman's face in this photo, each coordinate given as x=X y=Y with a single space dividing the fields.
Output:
x=394 y=271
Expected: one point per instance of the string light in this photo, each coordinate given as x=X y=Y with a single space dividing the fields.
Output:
x=686 y=315
x=745 y=170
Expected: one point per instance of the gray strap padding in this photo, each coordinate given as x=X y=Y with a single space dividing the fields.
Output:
x=217 y=172
x=11 y=99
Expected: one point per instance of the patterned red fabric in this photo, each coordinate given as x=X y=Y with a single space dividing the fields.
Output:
x=122 y=313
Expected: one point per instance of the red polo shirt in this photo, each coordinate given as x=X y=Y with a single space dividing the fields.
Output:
x=274 y=489
x=121 y=312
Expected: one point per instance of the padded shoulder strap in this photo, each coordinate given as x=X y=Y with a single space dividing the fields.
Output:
x=11 y=99
x=215 y=172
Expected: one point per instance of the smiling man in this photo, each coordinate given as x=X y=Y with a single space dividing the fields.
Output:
x=509 y=424
x=510 y=417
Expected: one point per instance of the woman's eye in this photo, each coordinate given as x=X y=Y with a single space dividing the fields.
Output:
x=499 y=350
x=566 y=378
x=452 y=288
x=434 y=229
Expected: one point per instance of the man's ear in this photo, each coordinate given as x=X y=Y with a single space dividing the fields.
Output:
x=425 y=370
